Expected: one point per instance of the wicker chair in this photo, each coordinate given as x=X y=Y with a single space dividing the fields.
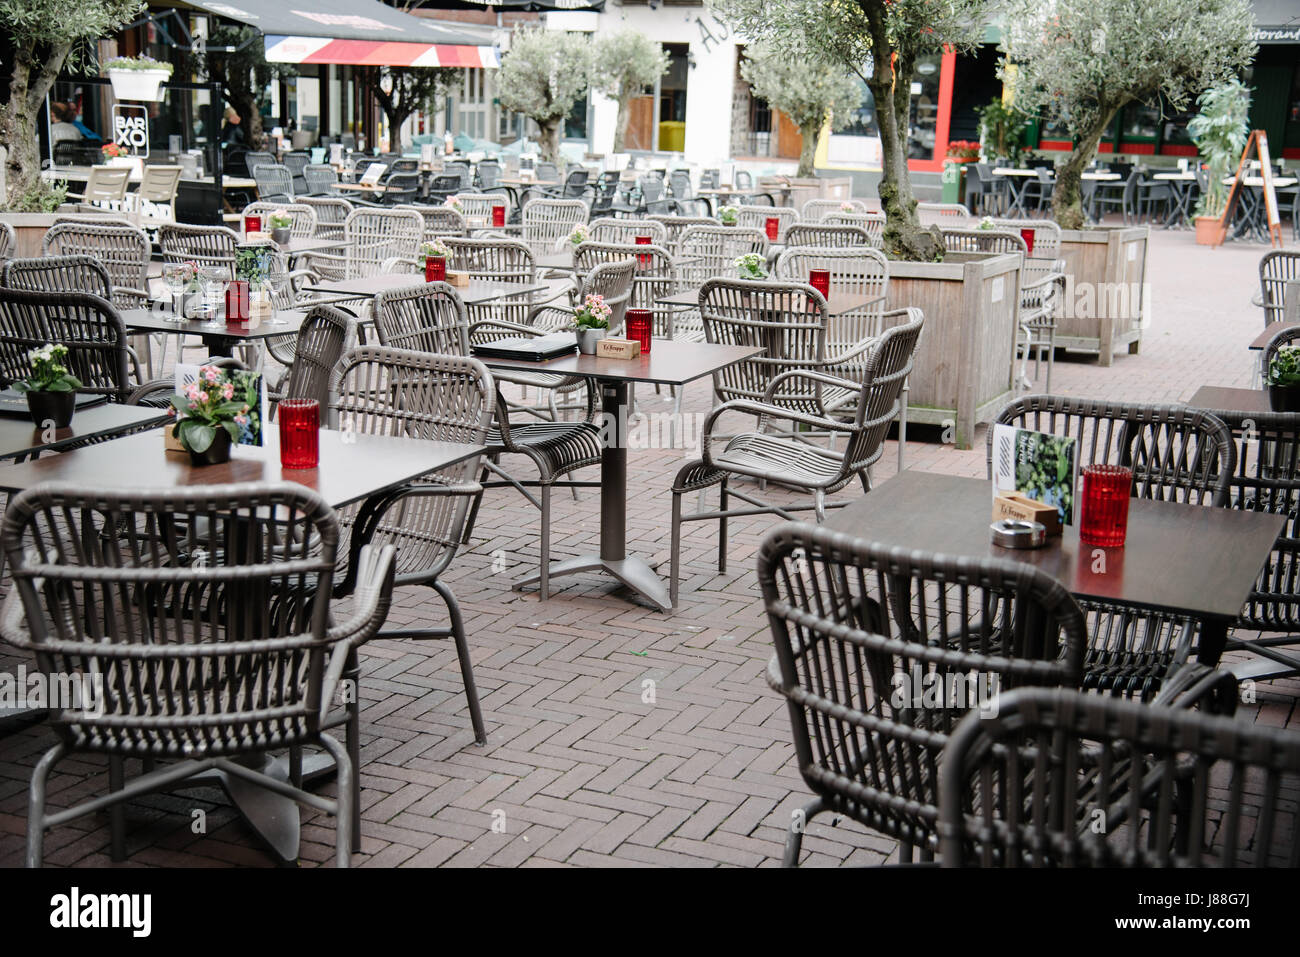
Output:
x=374 y=236
x=444 y=186
x=1021 y=788
x=547 y=222
x=435 y=397
x=625 y=231
x=816 y=210
x=319 y=179
x=1047 y=235
x=324 y=336
x=122 y=249
x=709 y=251
x=1276 y=268
x=303 y=216
x=1283 y=337
x=202 y=664
x=862 y=631
x=331 y=214
x=677 y=226
x=873 y=223
x=429 y=318
x=983 y=241
x=477 y=207
x=401 y=188
x=943 y=215
x=1177 y=454
x=441 y=222
x=802 y=393
x=205 y=245
x=655 y=277
x=1042 y=292
x=274 y=183
x=505 y=261
x=8 y=241
x=87 y=324
x=756 y=217
x=827 y=235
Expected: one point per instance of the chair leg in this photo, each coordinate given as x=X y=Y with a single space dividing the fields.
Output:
x=544 y=583
x=466 y=665
x=347 y=817
x=36 y=805
x=117 y=813
x=902 y=425
x=675 y=548
x=794 y=837
x=722 y=529
x=352 y=738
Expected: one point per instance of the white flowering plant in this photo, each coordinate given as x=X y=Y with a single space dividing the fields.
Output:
x=728 y=214
x=751 y=266
x=594 y=313
x=49 y=373
x=280 y=219
x=987 y=223
x=579 y=235
x=437 y=248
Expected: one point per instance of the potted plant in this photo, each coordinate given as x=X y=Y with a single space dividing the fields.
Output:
x=212 y=414
x=137 y=77
x=579 y=235
x=1284 y=380
x=451 y=202
x=51 y=389
x=1219 y=132
x=281 y=226
x=727 y=215
x=253 y=266
x=751 y=266
x=591 y=322
x=435 y=260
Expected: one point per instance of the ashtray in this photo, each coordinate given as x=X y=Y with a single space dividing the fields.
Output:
x=1015 y=533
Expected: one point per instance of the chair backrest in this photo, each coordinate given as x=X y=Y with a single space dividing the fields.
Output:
x=1283 y=337
x=575 y=183
x=255 y=158
x=880 y=653
x=1276 y=268
x=440 y=221
x=331 y=213
x=625 y=231
x=710 y=251
x=613 y=282
x=121 y=248
x=677 y=225
x=375 y=235
x=403 y=165
x=679 y=184
x=1176 y=453
x=1179 y=788
x=547 y=172
x=943 y=214
x=401 y=188
x=756 y=217
x=158 y=184
x=1047 y=235
x=303 y=216
x=855 y=271
x=984 y=241
x=81 y=273
x=495 y=260
x=8 y=240
x=319 y=179
x=204 y=245
x=655 y=276
x=461 y=170
x=274 y=183
x=547 y=222
x=710 y=178
x=816 y=210
x=324 y=336
x=193 y=647
x=429 y=317
x=87 y=324
x=744 y=179
x=489 y=174
x=107 y=184
x=827 y=234
x=651 y=188
x=477 y=208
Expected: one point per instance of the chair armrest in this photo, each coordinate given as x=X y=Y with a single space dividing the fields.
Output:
x=479 y=328
x=374 y=572
x=1194 y=685
x=822 y=377
x=762 y=412
x=550 y=318
x=401 y=264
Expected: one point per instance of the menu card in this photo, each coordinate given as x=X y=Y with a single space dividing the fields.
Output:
x=1041 y=466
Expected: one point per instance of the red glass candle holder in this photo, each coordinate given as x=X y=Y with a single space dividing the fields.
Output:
x=237 y=306
x=639 y=325
x=1106 y=493
x=299 y=433
x=498 y=215
x=435 y=268
x=1028 y=236
x=820 y=279
x=252 y=224
x=643 y=261
x=773 y=227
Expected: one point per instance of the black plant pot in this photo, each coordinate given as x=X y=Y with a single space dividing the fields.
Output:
x=217 y=453
x=58 y=406
x=1284 y=398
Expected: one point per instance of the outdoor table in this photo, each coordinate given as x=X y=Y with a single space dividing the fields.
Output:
x=1181 y=185
x=837 y=303
x=1273 y=328
x=20 y=437
x=1155 y=569
x=668 y=363
x=563 y=259
x=219 y=337
x=354 y=467
x=1252 y=204
x=1012 y=175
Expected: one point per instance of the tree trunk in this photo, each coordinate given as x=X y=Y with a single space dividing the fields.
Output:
x=548 y=138
x=1067 y=195
x=808 y=151
x=620 y=125
x=904 y=238
x=32 y=80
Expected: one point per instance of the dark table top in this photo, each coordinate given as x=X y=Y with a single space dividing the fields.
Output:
x=837 y=303
x=149 y=320
x=1221 y=398
x=352 y=466
x=667 y=363
x=1272 y=329
x=478 y=290
x=18 y=436
x=1187 y=559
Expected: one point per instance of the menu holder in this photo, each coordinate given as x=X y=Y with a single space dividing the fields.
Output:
x=618 y=349
x=458 y=279
x=1019 y=507
x=1039 y=467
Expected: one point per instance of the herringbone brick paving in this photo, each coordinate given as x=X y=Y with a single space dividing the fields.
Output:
x=582 y=767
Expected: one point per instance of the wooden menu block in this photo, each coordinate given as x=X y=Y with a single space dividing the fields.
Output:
x=618 y=349
x=1016 y=505
x=458 y=279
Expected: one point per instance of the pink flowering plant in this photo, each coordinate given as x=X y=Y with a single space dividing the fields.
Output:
x=594 y=313
x=451 y=202
x=218 y=399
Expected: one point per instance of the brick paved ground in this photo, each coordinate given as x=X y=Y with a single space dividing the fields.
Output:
x=583 y=770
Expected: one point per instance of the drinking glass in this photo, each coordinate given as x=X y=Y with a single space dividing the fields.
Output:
x=643 y=261
x=174 y=277
x=773 y=226
x=498 y=215
x=1106 y=493
x=213 y=279
x=299 y=433
x=1028 y=236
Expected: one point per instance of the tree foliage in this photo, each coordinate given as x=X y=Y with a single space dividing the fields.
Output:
x=542 y=76
x=235 y=57
x=623 y=65
x=804 y=87
x=412 y=88
x=881 y=41
x=46 y=36
x=1081 y=61
x=1220 y=131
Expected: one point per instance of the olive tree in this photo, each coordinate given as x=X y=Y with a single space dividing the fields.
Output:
x=45 y=36
x=235 y=58
x=623 y=65
x=403 y=90
x=542 y=76
x=1082 y=61
x=805 y=88
x=881 y=41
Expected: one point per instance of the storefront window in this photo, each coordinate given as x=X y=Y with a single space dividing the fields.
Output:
x=923 y=121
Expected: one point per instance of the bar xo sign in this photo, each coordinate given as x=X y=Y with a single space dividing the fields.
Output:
x=131 y=128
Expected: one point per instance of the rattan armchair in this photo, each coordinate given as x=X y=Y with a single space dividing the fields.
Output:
x=324 y=336
x=983 y=241
x=319 y=180
x=122 y=249
x=8 y=241
x=756 y=217
x=677 y=226
x=504 y=261
x=1047 y=235
x=1028 y=786
x=441 y=222
x=216 y=646
x=331 y=213
x=799 y=393
x=625 y=231
x=374 y=236
x=709 y=251
x=477 y=207
x=1276 y=269
x=303 y=216
x=428 y=318
x=274 y=183
x=816 y=210
x=865 y=633
x=827 y=235
x=87 y=324
x=547 y=222
x=873 y=223
x=204 y=245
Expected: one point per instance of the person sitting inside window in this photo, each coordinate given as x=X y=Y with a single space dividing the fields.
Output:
x=62 y=128
x=232 y=134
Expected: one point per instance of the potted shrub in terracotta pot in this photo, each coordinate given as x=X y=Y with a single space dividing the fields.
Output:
x=1219 y=132
x=50 y=388
x=1284 y=380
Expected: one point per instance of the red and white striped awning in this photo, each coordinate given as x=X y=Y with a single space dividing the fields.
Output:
x=280 y=49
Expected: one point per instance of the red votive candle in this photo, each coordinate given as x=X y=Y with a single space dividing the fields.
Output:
x=1106 y=493
x=237 y=300
x=435 y=268
x=639 y=324
x=498 y=215
x=820 y=279
x=643 y=241
x=1028 y=236
x=773 y=226
x=299 y=433
x=252 y=224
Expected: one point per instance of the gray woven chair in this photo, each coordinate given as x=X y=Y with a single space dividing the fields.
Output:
x=322 y=339
x=677 y=226
x=625 y=231
x=201 y=664
x=303 y=216
x=374 y=236
x=87 y=324
x=476 y=208
x=1177 y=454
x=1276 y=269
x=1042 y=292
x=547 y=222
x=827 y=235
x=816 y=210
x=1028 y=786
x=710 y=251
x=274 y=183
x=121 y=248
x=331 y=213
x=428 y=318
x=863 y=631
x=944 y=215
x=505 y=261
x=381 y=391
x=1283 y=337
x=756 y=217
x=441 y=222
x=983 y=241
x=318 y=180
x=1047 y=235
x=799 y=394
x=204 y=245
x=873 y=223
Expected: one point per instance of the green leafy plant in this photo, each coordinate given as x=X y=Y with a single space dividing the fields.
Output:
x=280 y=219
x=49 y=374
x=987 y=223
x=1003 y=129
x=253 y=263
x=1219 y=132
x=1284 y=368
x=544 y=73
x=137 y=63
x=594 y=313
x=1045 y=470
x=751 y=266
x=437 y=248
x=727 y=215
x=40 y=196
x=216 y=400
x=579 y=235
x=623 y=66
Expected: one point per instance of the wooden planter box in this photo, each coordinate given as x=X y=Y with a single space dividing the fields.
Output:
x=789 y=191
x=30 y=230
x=964 y=364
x=1105 y=296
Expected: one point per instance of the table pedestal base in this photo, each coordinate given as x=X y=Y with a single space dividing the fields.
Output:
x=630 y=570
